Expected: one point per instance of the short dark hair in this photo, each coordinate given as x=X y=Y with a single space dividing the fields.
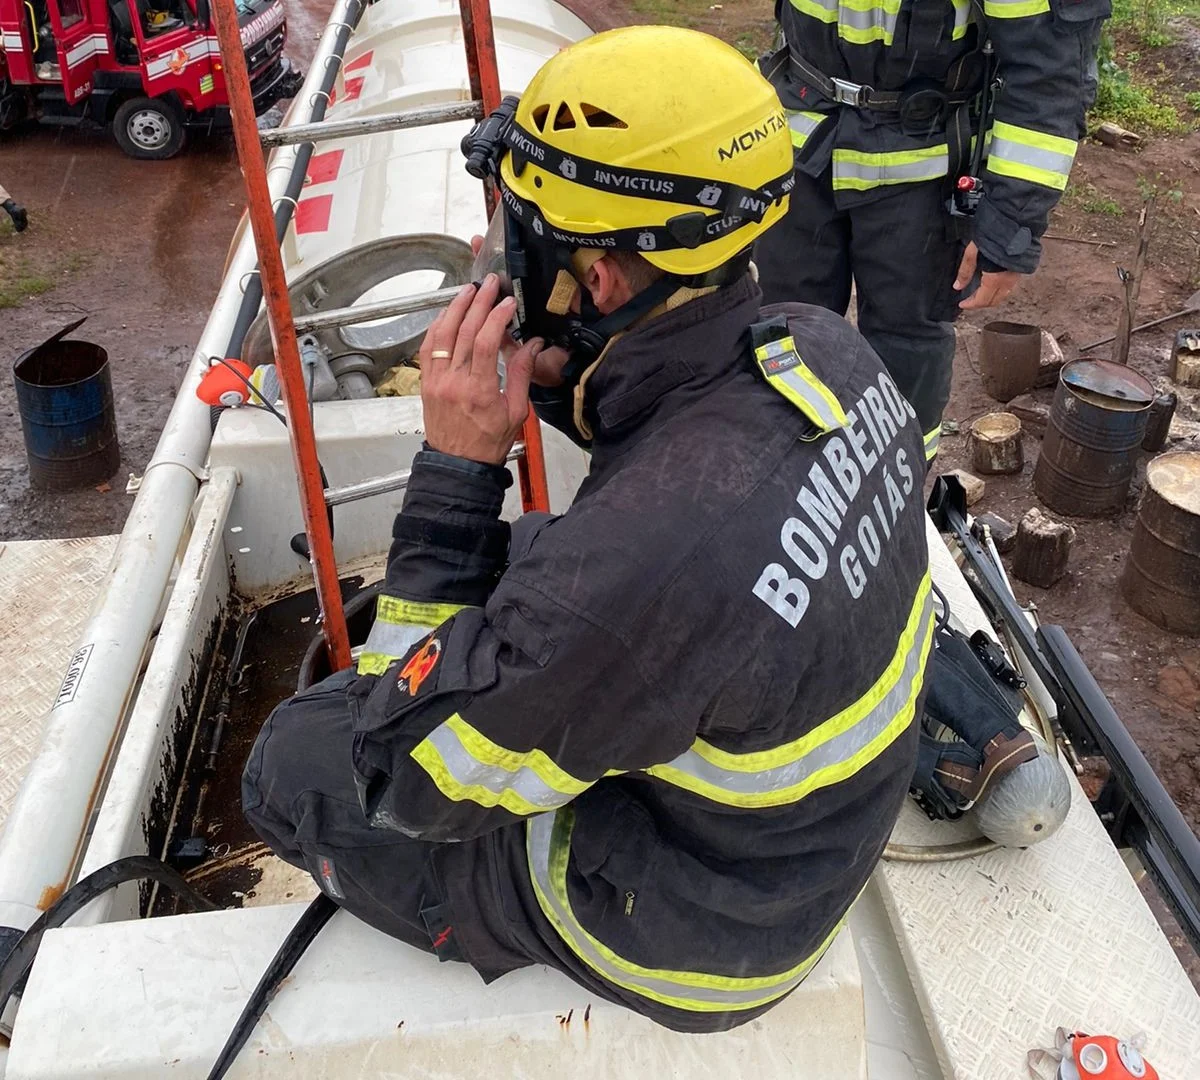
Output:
x=638 y=272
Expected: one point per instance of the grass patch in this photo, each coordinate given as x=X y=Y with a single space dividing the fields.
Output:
x=1193 y=100
x=1150 y=20
x=26 y=268
x=1132 y=103
x=1091 y=201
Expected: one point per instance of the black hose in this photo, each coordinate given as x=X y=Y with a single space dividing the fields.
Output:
x=302 y=935
x=17 y=963
x=252 y=297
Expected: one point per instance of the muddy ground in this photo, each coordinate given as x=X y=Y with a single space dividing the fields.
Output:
x=138 y=248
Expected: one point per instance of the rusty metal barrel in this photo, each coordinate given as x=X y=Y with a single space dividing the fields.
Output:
x=1162 y=573
x=1097 y=423
x=65 y=397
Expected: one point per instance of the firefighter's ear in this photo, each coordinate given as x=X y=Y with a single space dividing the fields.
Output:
x=606 y=281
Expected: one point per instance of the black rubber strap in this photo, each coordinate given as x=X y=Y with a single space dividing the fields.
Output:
x=719 y=195
x=687 y=231
x=302 y=935
x=17 y=963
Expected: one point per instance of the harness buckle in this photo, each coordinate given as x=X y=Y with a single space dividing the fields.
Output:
x=849 y=93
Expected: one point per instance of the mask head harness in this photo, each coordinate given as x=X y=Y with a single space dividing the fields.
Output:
x=541 y=264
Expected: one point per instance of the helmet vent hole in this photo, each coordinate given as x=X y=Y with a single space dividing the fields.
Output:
x=537 y=181
x=599 y=118
x=564 y=119
x=539 y=116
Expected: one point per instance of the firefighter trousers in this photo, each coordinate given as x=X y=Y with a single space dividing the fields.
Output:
x=901 y=254
x=298 y=793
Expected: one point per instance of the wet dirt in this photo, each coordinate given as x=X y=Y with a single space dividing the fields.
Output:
x=139 y=248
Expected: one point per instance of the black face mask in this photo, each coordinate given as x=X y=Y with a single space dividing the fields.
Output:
x=515 y=248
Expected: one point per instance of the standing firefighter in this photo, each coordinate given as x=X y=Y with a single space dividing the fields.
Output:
x=882 y=99
x=658 y=742
x=20 y=218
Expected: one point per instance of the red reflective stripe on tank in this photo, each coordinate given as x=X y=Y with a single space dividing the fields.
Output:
x=361 y=62
x=325 y=167
x=312 y=215
x=353 y=88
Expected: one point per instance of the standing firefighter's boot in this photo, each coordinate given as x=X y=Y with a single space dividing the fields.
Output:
x=972 y=693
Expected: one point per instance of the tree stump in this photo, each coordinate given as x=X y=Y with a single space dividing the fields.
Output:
x=1042 y=548
x=996 y=444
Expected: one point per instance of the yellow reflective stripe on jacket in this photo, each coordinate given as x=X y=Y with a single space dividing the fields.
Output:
x=831 y=752
x=787 y=373
x=824 y=10
x=1014 y=9
x=467 y=766
x=962 y=19
x=1026 y=154
x=860 y=22
x=932 y=441
x=399 y=625
x=858 y=170
x=803 y=124
x=548 y=845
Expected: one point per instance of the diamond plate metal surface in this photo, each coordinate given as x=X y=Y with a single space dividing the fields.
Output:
x=47 y=588
x=1004 y=948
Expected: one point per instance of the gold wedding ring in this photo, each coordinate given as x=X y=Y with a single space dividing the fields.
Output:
x=441 y=354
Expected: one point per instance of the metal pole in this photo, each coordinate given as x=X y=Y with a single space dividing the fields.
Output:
x=480 y=41
x=371 y=125
x=283 y=335
x=382 y=309
x=379 y=485
x=484 y=74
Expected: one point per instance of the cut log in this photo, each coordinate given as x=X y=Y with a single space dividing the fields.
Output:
x=972 y=485
x=1114 y=135
x=996 y=444
x=1042 y=549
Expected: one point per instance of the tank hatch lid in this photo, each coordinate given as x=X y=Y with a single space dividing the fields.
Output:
x=1108 y=379
x=1176 y=477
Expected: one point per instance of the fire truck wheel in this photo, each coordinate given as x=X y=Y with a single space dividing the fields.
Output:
x=149 y=128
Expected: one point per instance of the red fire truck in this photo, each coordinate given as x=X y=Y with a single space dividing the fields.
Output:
x=149 y=69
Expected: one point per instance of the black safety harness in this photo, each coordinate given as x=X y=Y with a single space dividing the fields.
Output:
x=922 y=106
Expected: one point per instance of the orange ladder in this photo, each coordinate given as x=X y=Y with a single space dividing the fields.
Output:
x=315 y=500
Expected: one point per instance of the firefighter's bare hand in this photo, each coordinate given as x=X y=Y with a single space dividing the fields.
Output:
x=466 y=413
x=993 y=289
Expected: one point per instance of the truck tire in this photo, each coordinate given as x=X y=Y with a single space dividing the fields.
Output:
x=149 y=128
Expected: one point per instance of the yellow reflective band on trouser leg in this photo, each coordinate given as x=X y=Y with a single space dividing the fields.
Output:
x=1025 y=154
x=803 y=124
x=833 y=751
x=932 y=440
x=399 y=625
x=789 y=375
x=548 y=844
x=858 y=170
x=467 y=766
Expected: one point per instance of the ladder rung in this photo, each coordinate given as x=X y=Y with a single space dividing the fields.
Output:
x=380 y=485
x=382 y=309
x=371 y=125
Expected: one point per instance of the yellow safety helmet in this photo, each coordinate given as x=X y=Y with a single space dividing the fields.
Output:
x=628 y=131
x=649 y=139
